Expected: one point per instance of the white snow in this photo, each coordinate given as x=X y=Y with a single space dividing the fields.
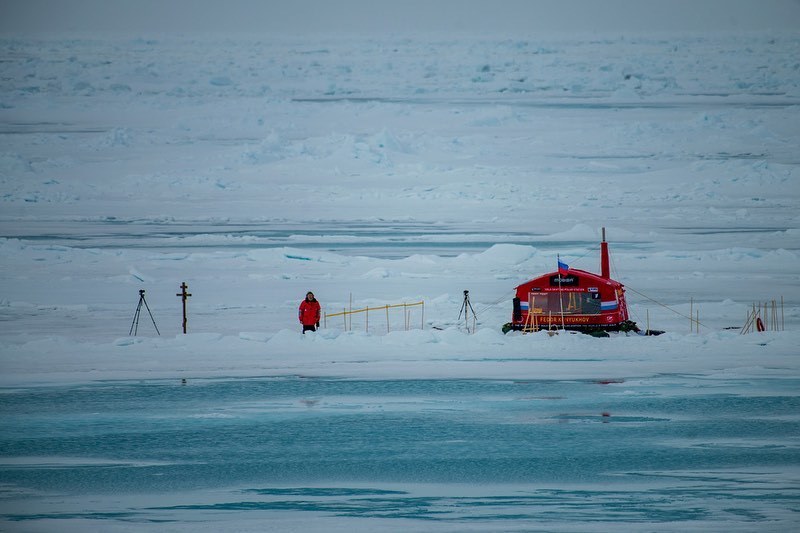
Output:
x=390 y=170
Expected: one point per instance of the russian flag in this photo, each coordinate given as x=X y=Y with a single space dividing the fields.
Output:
x=563 y=268
x=608 y=306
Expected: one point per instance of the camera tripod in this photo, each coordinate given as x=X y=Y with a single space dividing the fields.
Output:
x=466 y=307
x=135 y=323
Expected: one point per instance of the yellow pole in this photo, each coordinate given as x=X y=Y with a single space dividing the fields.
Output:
x=768 y=321
x=774 y=315
x=771 y=316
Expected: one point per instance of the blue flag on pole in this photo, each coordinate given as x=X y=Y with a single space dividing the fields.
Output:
x=563 y=268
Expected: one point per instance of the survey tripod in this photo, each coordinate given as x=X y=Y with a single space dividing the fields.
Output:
x=135 y=323
x=466 y=307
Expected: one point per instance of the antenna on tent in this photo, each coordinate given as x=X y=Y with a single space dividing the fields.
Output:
x=560 y=295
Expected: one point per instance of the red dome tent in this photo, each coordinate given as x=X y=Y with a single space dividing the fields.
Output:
x=572 y=299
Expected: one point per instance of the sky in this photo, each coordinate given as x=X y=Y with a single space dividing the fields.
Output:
x=360 y=16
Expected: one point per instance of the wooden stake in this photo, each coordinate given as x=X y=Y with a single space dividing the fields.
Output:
x=775 y=315
x=756 y=314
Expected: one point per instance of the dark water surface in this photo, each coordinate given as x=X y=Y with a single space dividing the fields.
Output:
x=656 y=451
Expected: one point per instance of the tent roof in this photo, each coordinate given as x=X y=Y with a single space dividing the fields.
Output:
x=588 y=277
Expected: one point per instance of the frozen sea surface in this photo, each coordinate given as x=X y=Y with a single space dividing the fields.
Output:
x=668 y=452
x=381 y=170
x=382 y=239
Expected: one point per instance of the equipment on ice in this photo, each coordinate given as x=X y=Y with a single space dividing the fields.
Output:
x=466 y=307
x=572 y=299
x=135 y=324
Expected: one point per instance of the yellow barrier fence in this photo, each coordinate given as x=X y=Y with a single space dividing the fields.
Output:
x=407 y=307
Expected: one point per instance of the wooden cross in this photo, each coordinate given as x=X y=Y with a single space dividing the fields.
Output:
x=183 y=294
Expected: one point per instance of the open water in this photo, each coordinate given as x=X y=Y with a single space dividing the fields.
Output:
x=672 y=452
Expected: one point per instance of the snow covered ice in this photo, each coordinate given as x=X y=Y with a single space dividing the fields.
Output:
x=377 y=171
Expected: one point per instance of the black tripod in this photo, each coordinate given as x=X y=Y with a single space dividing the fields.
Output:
x=466 y=307
x=135 y=323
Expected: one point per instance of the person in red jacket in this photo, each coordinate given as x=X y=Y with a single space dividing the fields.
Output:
x=309 y=313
